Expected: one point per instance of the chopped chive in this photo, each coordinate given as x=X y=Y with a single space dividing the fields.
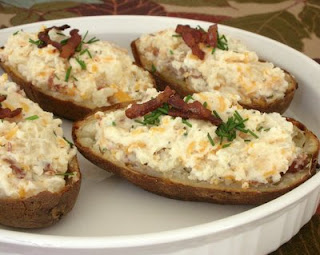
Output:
x=187 y=98
x=253 y=134
x=200 y=28
x=56 y=77
x=64 y=41
x=140 y=122
x=226 y=145
x=258 y=129
x=74 y=78
x=213 y=51
x=59 y=33
x=210 y=139
x=85 y=35
x=81 y=63
x=92 y=40
x=86 y=51
x=247 y=140
x=216 y=114
x=176 y=35
x=185 y=134
x=38 y=42
x=153 y=69
x=113 y=123
x=267 y=129
x=184 y=121
x=70 y=143
x=68 y=74
x=33 y=117
x=171 y=52
x=205 y=104
x=15 y=33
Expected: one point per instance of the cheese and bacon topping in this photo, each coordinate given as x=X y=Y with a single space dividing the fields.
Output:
x=84 y=70
x=243 y=146
x=208 y=61
x=34 y=155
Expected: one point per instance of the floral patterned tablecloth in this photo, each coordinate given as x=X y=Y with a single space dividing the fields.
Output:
x=292 y=22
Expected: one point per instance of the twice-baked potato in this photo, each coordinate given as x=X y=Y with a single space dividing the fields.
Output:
x=193 y=60
x=39 y=172
x=176 y=149
x=70 y=75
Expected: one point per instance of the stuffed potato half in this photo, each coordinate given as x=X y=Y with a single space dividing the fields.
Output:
x=192 y=159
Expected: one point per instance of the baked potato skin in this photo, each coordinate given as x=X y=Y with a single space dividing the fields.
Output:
x=43 y=209
x=62 y=108
x=196 y=191
x=162 y=80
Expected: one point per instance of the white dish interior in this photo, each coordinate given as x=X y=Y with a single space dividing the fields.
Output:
x=112 y=215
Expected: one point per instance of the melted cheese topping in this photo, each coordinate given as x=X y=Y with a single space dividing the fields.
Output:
x=33 y=154
x=109 y=76
x=236 y=70
x=174 y=146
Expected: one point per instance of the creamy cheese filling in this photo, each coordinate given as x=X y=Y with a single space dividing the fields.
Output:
x=176 y=145
x=98 y=75
x=34 y=156
x=236 y=70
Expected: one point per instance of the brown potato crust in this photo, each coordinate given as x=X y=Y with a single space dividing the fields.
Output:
x=185 y=189
x=43 y=209
x=164 y=79
x=66 y=109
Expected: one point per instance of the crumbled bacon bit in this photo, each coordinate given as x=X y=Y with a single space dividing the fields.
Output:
x=179 y=108
x=67 y=50
x=17 y=171
x=138 y=110
x=192 y=37
x=7 y=113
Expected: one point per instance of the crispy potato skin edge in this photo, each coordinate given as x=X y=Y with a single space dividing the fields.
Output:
x=61 y=108
x=178 y=190
x=43 y=209
x=280 y=105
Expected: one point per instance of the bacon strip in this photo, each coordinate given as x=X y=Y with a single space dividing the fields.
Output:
x=179 y=108
x=67 y=50
x=70 y=47
x=7 y=113
x=138 y=110
x=192 y=37
x=193 y=110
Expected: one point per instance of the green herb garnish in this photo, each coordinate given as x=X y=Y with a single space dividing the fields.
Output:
x=73 y=77
x=38 y=42
x=64 y=41
x=226 y=145
x=81 y=63
x=33 y=117
x=113 y=123
x=222 y=42
x=15 y=33
x=171 y=52
x=184 y=121
x=86 y=51
x=216 y=114
x=228 y=129
x=153 y=69
x=68 y=74
x=205 y=104
x=210 y=139
x=188 y=98
x=70 y=143
x=176 y=35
